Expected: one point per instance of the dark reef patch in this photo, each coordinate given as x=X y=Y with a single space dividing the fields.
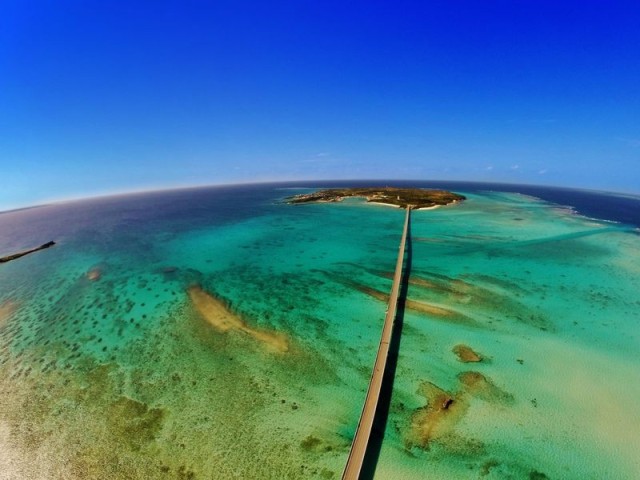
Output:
x=436 y=420
x=134 y=422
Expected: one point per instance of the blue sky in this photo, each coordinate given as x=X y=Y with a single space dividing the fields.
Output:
x=101 y=97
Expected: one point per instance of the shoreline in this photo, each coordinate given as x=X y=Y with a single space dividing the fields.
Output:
x=412 y=198
x=384 y=204
x=433 y=207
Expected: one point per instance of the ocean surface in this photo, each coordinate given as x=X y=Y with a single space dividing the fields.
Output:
x=221 y=333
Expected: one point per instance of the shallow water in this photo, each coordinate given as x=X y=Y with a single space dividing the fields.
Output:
x=108 y=370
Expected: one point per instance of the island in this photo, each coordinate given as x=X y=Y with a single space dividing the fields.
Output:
x=412 y=198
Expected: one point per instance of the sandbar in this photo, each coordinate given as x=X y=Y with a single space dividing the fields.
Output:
x=434 y=311
x=217 y=314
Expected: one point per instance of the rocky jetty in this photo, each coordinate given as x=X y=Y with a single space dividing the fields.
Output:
x=14 y=256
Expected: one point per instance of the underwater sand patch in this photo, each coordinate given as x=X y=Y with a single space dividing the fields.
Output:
x=220 y=317
x=466 y=354
x=461 y=291
x=496 y=301
x=457 y=290
x=503 y=284
x=417 y=281
x=94 y=274
x=7 y=309
x=477 y=385
x=420 y=307
x=429 y=239
x=423 y=282
x=431 y=309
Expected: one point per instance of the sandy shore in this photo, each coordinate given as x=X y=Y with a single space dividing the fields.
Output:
x=398 y=206
x=385 y=204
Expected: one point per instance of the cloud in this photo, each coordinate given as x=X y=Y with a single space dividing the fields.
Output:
x=490 y=167
x=514 y=167
x=543 y=171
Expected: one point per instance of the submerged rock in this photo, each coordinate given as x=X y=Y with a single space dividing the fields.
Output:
x=443 y=410
x=466 y=354
x=536 y=475
x=94 y=274
x=437 y=418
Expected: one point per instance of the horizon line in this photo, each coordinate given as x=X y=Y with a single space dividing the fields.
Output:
x=159 y=189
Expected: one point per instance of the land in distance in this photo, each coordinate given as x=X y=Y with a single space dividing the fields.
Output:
x=413 y=198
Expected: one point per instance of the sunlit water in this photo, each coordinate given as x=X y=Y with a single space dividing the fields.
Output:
x=108 y=371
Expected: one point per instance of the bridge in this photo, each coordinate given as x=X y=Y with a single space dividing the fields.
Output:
x=363 y=431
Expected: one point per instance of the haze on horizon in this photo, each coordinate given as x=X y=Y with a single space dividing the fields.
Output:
x=98 y=98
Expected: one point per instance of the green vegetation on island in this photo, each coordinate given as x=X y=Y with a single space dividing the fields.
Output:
x=413 y=198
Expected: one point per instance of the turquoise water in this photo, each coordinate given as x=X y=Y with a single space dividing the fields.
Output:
x=108 y=370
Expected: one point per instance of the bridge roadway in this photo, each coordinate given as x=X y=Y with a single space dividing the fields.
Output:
x=363 y=432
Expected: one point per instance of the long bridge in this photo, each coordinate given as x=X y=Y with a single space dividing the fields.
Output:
x=363 y=431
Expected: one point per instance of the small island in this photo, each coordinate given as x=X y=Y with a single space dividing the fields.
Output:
x=413 y=198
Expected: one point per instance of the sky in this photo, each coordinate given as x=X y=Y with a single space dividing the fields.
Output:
x=109 y=97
